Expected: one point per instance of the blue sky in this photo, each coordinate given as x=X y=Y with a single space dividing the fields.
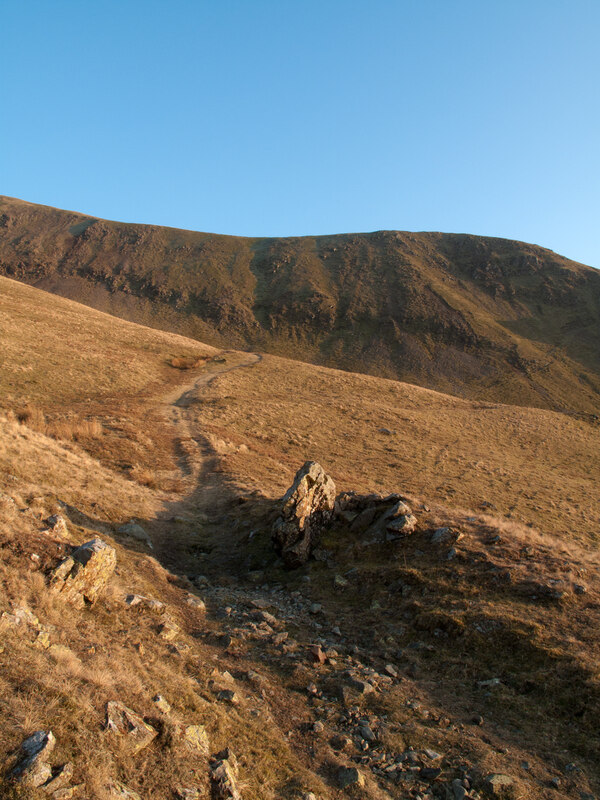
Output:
x=289 y=117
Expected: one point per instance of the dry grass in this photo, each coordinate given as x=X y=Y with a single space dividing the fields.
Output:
x=528 y=465
x=243 y=437
x=58 y=352
x=113 y=653
x=188 y=362
x=68 y=428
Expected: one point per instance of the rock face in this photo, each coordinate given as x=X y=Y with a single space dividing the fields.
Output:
x=80 y=577
x=33 y=768
x=307 y=507
x=126 y=723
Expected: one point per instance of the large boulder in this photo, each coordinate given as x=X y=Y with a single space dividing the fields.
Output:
x=307 y=508
x=80 y=577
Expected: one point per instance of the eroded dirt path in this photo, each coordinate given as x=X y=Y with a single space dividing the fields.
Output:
x=181 y=532
x=179 y=402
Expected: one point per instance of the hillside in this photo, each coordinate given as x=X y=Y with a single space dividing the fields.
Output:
x=477 y=317
x=459 y=662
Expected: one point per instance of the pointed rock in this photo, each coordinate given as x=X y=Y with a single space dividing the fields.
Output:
x=307 y=508
x=81 y=576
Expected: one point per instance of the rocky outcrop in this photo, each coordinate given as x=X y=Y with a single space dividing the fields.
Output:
x=80 y=577
x=387 y=516
x=307 y=507
x=310 y=506
x=128 y=725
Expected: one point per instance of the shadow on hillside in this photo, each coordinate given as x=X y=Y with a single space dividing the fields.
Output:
x=219 y=529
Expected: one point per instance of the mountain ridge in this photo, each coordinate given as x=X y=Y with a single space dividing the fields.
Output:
x=480 y=317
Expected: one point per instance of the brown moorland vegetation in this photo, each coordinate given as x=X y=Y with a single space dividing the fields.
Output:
x=516 y=604
x=475 y=316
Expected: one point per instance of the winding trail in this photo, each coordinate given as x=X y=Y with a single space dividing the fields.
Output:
x=178 y=527
x=177 y=402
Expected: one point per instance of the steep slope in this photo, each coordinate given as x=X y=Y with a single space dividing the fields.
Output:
x=474 y=316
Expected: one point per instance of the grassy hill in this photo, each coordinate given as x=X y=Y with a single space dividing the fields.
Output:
x=478 y=317
x=492 y=643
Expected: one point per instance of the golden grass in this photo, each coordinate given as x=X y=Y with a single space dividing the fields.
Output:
x=245 y=434
x=57 y=351
x=371 y=434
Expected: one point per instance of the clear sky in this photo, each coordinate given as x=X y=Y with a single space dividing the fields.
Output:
x=288 y=117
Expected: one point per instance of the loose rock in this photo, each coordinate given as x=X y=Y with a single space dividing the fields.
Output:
x=126 y=723
x=349 y=776
x=33 y=768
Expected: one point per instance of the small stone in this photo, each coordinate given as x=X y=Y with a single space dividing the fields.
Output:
x=33 y=769
x=477 y=719
x=497 y=783
x=489 y=683
x=197 y=739
x=146 y=603
x=405 y=525
x=59 y=525
x=555 y=783
x=366 y=733
x=391 y=670
x=318 y=727
x=136 y=531
x=60 y=778
x=43 y=640
x=317 y=654
x=118 y=791
x=81 y=577
x=168 y=631
x=223 y=774
x=161 y=703
x=441 y=536
x=349 y=776
x=196 y=603
x=339 y=582
x=362 y=687
x=228 y=696
x=130 y=726
x=186 y=793
x=315 y=608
